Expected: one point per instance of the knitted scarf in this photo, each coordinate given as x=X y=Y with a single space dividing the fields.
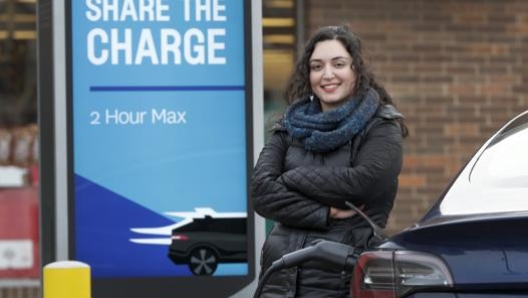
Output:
x=321 y=131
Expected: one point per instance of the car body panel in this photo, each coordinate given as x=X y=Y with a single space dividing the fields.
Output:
x=491 y=252
x=479 y=225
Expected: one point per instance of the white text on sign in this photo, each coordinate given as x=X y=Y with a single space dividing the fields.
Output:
x=122 y=117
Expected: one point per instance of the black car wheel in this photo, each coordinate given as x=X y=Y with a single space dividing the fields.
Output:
x=203 y=261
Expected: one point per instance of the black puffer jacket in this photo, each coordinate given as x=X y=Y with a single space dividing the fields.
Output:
x=295 y=188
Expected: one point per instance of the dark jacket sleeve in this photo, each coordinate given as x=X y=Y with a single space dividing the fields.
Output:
x=274 y=200
x=377 y=164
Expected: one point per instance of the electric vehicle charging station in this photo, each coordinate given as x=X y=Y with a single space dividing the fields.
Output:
x=151 y=113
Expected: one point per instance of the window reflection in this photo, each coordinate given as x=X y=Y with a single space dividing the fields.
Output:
x=279 y=41
x=18 y=84
x=19 y=147
x=504 y=164
x=498 y=180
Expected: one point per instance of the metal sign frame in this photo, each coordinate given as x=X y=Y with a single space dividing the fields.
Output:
x=56 y=134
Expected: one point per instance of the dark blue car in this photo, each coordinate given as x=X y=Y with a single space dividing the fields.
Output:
x=474 y=240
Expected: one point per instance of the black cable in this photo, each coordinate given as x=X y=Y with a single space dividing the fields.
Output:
x=336 y=255
x=276 y=265
x=376 y=230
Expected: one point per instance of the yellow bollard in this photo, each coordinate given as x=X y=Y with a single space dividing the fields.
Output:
x=67 y=279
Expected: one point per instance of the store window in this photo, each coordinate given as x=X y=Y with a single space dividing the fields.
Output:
x=280 y=44
x=18 y=85
x=19 y=246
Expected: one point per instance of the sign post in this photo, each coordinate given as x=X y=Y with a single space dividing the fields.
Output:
x=159 y=146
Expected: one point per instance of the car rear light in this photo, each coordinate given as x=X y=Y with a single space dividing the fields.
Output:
x=388 y=274
x=180 y=237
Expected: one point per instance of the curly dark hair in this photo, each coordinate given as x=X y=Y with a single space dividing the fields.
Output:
x=299 y=83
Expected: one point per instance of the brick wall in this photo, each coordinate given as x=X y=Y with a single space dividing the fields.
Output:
x=458 y=69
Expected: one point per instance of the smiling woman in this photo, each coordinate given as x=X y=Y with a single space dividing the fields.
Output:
x=331 y=76
x=339 y=141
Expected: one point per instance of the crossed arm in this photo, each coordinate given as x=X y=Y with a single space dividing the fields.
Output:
x=377 y=164
x=273 y=200
x=307 y=196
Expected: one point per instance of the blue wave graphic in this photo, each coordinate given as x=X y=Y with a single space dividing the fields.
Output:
x=102 y=225
x=103 y=220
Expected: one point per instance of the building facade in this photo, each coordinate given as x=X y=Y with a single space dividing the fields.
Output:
x=457 y=69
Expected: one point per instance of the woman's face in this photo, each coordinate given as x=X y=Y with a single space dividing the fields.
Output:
x=331 y=76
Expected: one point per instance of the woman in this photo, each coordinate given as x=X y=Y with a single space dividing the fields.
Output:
x=340 y=140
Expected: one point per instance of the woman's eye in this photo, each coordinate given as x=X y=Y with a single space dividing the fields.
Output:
x=315 y=67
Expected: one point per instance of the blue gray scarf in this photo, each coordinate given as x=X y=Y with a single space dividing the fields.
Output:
x=325 y=131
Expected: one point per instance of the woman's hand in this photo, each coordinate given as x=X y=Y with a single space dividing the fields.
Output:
x=341 y=213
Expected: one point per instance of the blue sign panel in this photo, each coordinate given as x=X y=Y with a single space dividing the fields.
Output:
x=159 y=136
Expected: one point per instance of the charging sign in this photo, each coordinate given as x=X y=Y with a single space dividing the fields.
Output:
x=160 y=133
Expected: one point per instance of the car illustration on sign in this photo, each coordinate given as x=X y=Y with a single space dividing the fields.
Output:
x=208 y=241
x=203 y=239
